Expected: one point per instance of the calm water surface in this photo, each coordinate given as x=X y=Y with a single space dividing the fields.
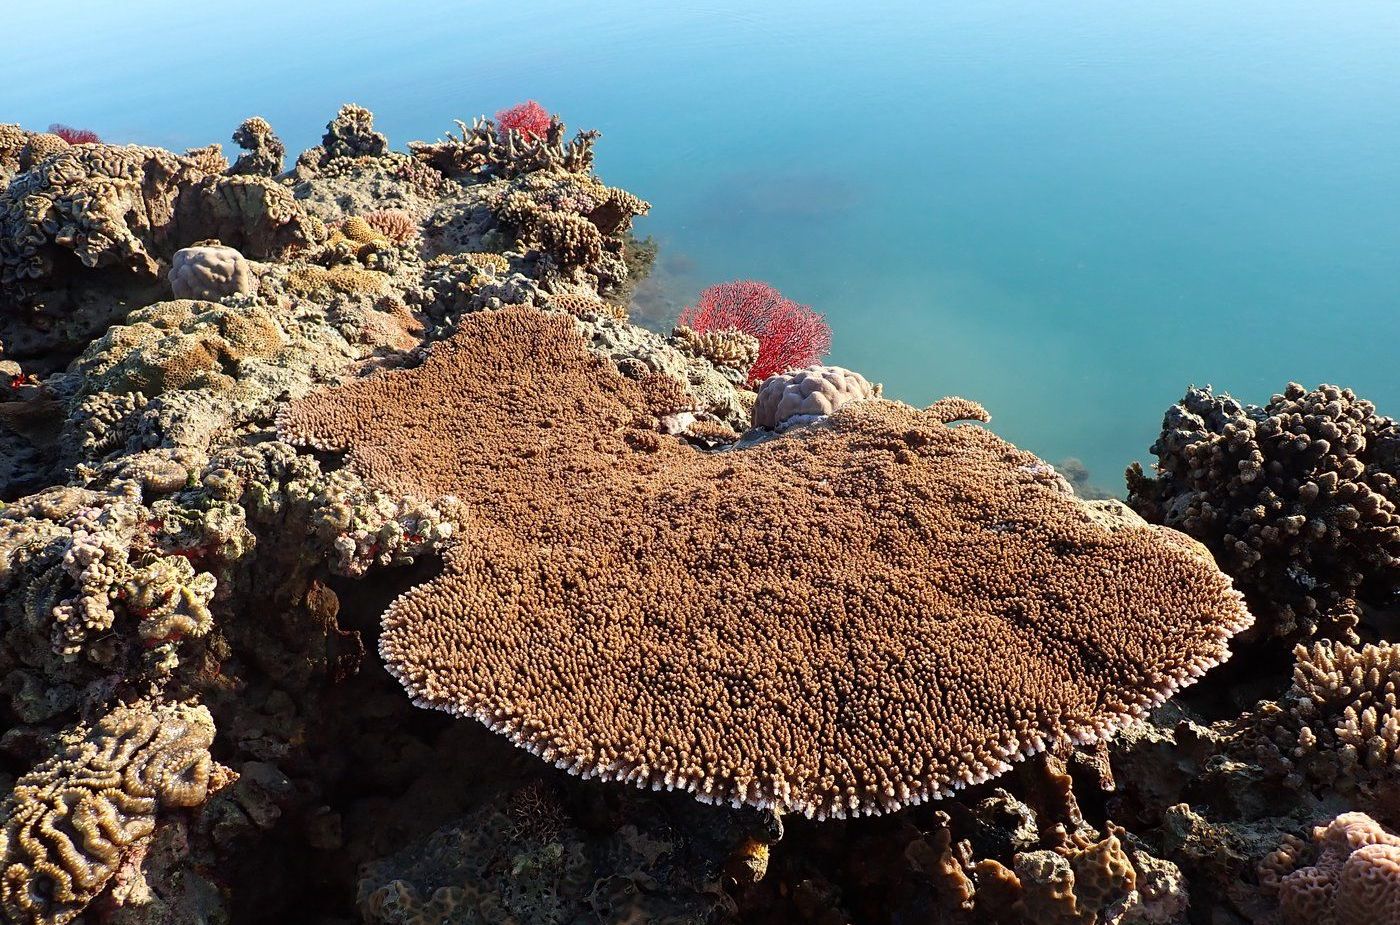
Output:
x=1067 y=211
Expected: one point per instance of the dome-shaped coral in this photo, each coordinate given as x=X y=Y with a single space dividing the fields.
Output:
x=210 y=272
x=801 y=396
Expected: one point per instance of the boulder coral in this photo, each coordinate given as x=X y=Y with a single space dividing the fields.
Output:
x=802 y=396
x=1297 y=499
x=842 y=622
x=210 y=272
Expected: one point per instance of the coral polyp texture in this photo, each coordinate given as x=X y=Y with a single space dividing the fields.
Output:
x=1297 y=499
x=819 y=646
x=72 y=821
x=789 y=335
x=600 y=541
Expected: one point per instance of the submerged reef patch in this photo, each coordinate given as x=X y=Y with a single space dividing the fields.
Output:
x=879 y=611
x=582 y=538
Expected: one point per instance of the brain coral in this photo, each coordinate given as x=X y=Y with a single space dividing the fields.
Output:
x=844 y=621
x=70 y=821
x=1354 y=881
x=210 y=272
x=801 y=396
x=1297 y=500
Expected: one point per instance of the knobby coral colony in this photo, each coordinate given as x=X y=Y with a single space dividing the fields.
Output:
x=701 y=562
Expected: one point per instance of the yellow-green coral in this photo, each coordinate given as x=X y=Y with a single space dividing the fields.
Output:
x=587 y=306
x=181 y=344
x=311 y=280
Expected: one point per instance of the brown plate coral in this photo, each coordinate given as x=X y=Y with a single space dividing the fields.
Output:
x=854 y=618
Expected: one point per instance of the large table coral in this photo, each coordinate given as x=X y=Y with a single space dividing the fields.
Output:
x=877 y=611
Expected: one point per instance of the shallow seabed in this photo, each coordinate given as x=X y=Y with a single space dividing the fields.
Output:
x=1068 y=211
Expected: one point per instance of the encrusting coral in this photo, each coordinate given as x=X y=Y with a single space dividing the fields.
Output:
x=71 y=821
x=872 y=694
x=1297 y=499
x=802 y=396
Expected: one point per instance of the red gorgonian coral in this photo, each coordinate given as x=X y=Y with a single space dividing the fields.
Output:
x=74 y=136
x=789 y=334
x=529 y=118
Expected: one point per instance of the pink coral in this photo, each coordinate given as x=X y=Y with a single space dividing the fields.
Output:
x=529 y=118
x=74 y=136
x=789 y=334
x=1354 y=881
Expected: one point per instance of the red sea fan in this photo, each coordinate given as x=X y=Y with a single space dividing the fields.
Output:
x=74 y=136
x=529 y=118
x=789 y=334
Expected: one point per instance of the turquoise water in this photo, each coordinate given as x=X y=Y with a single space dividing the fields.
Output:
x=1067 y=211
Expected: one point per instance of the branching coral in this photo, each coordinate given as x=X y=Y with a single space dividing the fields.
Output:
x=208 y=159
x=1339 y=725
x=69 y=822
x=575 y=221
x=395 y=224
x=351 y=134
x=482 y=152
x=586 y=306
x=263 y=152
x=1297 y=500
x=729 y=349
x=806 y=395
x=842 y=682
x=789 y=335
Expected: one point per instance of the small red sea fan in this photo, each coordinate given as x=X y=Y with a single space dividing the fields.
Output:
x=74 y=136
x=789 y=334
x=529 y=118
